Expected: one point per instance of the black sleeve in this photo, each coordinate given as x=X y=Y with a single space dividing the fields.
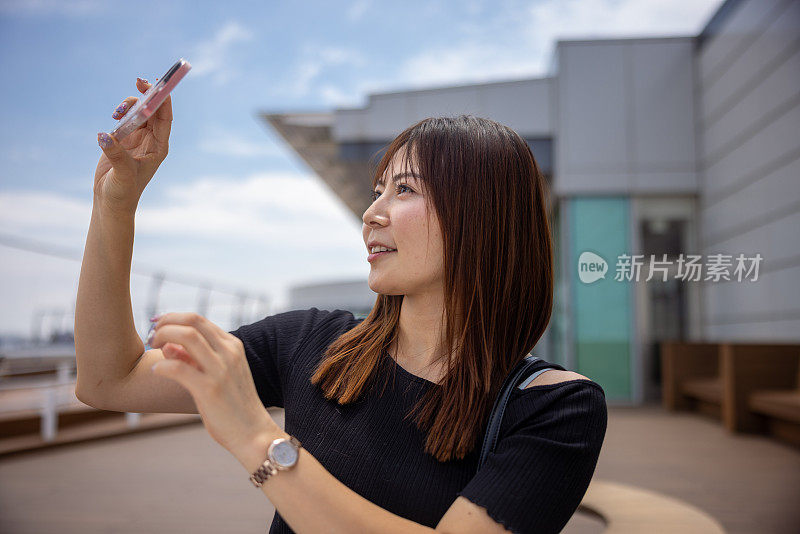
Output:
x=270 y=345
x=543 y=463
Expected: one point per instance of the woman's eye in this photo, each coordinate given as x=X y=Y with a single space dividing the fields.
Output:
x=375 y=194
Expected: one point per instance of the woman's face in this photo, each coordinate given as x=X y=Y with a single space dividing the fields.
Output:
x=400 y=219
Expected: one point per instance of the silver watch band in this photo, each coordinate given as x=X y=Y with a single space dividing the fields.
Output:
x=267 y=469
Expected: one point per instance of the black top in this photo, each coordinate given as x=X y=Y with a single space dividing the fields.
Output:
x=549 y=442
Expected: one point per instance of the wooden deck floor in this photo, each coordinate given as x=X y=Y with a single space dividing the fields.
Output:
x=180 y=480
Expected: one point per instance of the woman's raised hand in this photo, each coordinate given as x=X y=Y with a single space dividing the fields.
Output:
x=126 y=167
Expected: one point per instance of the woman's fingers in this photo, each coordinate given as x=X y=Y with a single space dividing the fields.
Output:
x=193 y=342
x=162 y=121
x=212 y=333
x=123 y=108
x=142 y=85
x=177 y=352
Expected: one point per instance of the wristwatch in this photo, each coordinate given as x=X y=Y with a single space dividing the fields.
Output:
x=282 y=454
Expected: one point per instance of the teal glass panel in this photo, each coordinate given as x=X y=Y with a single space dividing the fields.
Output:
x=601 y=306
x=559 y=319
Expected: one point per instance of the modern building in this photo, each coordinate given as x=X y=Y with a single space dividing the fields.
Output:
x=674 y=146
x=355 y=296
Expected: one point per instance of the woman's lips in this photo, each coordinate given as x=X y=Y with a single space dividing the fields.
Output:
x=373 y=257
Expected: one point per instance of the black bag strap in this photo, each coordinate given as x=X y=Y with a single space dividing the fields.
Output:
x=496 y=417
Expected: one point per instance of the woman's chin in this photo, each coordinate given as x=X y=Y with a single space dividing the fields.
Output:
x=383 y=289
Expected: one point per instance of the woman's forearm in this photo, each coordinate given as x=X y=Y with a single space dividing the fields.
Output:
x=312 y=500
x=106 y=342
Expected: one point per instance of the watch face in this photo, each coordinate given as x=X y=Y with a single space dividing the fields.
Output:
x=284 y=454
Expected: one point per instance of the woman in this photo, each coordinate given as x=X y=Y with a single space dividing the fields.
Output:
x=464 y=292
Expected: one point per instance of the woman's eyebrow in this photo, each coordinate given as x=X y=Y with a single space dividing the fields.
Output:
x=398 y=175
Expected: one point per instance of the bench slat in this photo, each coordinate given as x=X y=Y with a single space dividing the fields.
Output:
x=783 y=404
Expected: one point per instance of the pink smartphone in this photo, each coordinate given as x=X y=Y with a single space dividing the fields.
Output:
x=150 y=101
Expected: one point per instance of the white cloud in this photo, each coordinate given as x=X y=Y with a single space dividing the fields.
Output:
x=303 y=75
x=212 y=57
x=231 y=143
x=276 y=209
x=314 y=60
x=516 y=43
x=357 y=10
x=264 y=232
x=474 y=7
x=333 y=96
x=512 y=45
x=468 y=62
x=38 y=213
x=585 y=19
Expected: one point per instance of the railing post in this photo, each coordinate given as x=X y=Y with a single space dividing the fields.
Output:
x=132 y=419
x=64 y=372
x=49 y=415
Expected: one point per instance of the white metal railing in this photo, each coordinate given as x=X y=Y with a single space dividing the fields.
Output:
x=55 y=394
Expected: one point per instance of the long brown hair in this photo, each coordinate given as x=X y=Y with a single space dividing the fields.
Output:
x=484 y=184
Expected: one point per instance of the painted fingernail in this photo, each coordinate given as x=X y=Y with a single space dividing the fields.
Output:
x=120 y=110
x=150 y=334
x=155 y=318
x=104 y=140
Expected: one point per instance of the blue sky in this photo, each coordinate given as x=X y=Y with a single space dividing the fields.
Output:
x=232 y=203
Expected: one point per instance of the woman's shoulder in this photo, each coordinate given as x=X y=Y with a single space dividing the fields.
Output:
x=555 y=376
x=551 y=432
x=563 y=384
x=557 y=395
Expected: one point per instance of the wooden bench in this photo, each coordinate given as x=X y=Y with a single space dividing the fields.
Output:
x=750 y=387
x=764 y=384
x=691 y=378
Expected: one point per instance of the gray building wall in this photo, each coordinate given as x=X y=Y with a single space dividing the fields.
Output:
x=748 y=126
x=624 y=119
x=523 y=105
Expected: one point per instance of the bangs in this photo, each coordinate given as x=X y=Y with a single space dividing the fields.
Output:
x=406 y=164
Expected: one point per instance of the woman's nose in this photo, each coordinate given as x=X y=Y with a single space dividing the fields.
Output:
x=373 y=217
